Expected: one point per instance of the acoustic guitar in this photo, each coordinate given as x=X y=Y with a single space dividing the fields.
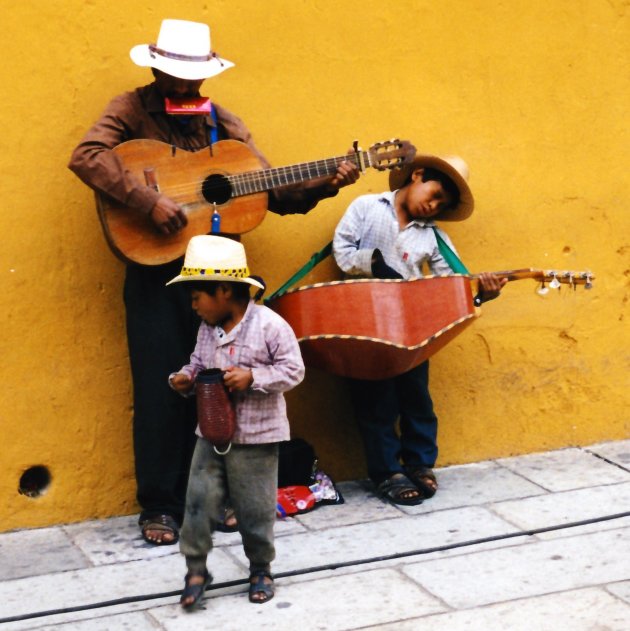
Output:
x=226 y=178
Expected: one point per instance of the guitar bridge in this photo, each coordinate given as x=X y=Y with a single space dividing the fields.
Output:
x=150 y=179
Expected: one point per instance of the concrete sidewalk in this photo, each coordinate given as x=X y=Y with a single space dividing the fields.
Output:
x=537 y=542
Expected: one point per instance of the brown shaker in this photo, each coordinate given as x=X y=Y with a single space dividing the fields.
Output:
x=215 y=411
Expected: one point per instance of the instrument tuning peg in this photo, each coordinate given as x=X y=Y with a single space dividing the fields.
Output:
x=555 y=283
x=542 y=290
x=589 y=283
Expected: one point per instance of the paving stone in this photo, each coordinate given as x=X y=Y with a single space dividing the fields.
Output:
x=475 y=484
x=565 y=469
x=106 y=583
x=621 y=590
x=579 y=610
x=526 y=570
x=115 y=540
x=339 y=603
x=118 y=540
x=617 y=452
x=386 y=537
x=137 y=621
x=570 y=506
x=38 y=551
x=360 y=506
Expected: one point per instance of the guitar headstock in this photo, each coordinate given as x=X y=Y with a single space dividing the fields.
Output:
x=557 y=278
x=390 y=154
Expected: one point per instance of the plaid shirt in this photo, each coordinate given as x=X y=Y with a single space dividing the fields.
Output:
x=263 y=342
x=369 y=223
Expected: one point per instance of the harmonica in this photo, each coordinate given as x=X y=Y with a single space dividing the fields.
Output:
x=188 y=106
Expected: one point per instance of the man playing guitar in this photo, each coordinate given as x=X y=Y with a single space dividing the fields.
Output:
x=164 y=423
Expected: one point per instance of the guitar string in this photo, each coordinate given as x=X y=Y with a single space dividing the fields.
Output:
x=249 y=178
x=251 y=181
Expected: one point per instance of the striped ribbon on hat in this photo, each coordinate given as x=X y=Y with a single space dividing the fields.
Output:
x=235 y=272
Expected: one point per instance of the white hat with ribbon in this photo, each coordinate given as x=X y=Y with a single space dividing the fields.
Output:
x=182 y=50
x=215 y=258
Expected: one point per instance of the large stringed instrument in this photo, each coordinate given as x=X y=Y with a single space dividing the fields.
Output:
x=226 y=178
x=377 y=329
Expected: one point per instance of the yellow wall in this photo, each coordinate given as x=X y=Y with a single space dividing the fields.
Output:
x=534 y=94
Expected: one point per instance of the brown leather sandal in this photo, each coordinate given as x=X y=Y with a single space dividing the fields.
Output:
x=424 y=479
x=399 y=489
x=164 y=524
x=229 y=523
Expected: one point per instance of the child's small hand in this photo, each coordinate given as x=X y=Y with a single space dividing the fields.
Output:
x=490 y=286
x=182 y=383
x=238 y=379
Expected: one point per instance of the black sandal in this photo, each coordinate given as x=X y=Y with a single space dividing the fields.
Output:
x=260 y=587
x=196 y=591
x=225 y=525
x=424 y=479
x=162 y=523
x=395 y=488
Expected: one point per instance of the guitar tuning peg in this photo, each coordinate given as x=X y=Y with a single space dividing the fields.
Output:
x=589 y=283
x=555 y=283
x=542 y=290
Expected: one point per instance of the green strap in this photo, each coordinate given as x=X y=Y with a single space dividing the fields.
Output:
x=303 y=271
x=445 y=250
x=450 y=257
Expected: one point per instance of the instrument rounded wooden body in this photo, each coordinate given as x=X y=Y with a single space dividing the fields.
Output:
x=180 y=175
x=376 y=329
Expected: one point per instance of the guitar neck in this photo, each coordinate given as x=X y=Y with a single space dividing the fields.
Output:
x=543 y=276
x=267 y=179
x=517 y=274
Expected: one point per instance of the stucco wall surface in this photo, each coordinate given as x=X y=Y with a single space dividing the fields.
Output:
x=534 y=94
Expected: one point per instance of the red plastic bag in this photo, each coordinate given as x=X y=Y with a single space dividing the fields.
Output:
x=294 y=499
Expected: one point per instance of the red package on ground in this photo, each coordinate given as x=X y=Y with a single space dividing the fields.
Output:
x=294 y=499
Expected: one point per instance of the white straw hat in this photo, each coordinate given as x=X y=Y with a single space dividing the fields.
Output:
x=215 y=258
x=182 y=50
x=452 y=166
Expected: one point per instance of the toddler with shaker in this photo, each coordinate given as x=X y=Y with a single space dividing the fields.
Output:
x=260 y=359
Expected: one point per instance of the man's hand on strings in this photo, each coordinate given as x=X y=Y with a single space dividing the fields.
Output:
x=347 y=173
x=168 y=216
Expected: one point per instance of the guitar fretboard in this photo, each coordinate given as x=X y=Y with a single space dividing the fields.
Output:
x=267 y=179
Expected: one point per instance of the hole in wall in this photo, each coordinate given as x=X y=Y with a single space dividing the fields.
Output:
x=35 y=481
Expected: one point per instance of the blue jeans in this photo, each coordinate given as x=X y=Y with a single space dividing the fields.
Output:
x=378 y=405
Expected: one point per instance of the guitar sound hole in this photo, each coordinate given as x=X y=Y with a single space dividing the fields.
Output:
x=216 y=189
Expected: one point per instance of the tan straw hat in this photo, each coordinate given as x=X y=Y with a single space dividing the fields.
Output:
x=452 y=166
x=182 y=50
x=215 y=258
